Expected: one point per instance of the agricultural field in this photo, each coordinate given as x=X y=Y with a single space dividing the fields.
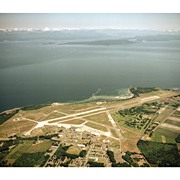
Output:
x=165 y=114
x=169 y=121
x=177 y=114
x=168 y=127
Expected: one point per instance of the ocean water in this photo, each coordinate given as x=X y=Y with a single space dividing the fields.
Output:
x=36 y=71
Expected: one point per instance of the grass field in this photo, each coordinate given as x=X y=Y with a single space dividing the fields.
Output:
x=40 y=147
x=29 y=147
x=156 y=137
x=170 y=140
x=114 y=133
x=74 y=150
x=74 y=121
x=37 y=116
x=176 y=123
x=100 y=118
x=20 y=149
x=53 y=115
x=95 y=126
x=15 y=127
x=166 y=133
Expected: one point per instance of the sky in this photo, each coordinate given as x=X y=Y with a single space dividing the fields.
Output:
x=154 y=21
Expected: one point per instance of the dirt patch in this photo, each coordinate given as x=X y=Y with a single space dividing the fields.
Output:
x=130 y=145
x=163 y=139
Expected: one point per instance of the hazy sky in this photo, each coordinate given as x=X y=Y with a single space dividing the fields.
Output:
x=68 y=20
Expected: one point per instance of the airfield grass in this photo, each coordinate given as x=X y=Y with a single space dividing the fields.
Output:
x=74 y=121
x=95 y=126
x=37 y=116
x=113 y=132
x=53 y=115
x=15 y=127
x=100 y=118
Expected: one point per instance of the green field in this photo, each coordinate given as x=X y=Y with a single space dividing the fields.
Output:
x=176 y=123
x=29 y=147
x=40 y=147
x=20 y=149
x=156 y=137
x=170 y=140
x=166 y=133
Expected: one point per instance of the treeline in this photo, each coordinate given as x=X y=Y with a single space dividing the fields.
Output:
x=7 y=144
x=95 y=164
x=141 y=90
x=34 y=107
x=127 y=157
x=178 y=138
x=113 y=161
x=5 y=116
x=61 y=154
x=163 y=155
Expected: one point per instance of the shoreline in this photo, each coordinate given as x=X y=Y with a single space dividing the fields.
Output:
x=93 y=98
